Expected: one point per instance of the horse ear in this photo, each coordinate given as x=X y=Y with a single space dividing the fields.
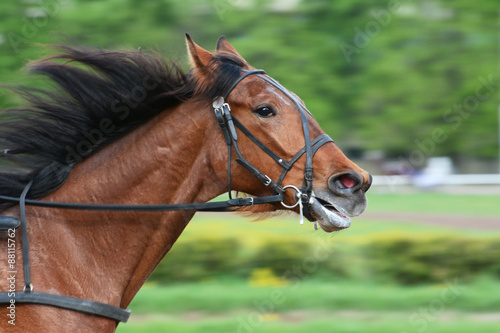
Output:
x=224 y=46
x=198 y=56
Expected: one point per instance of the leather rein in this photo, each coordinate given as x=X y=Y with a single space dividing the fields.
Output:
x=228 y=124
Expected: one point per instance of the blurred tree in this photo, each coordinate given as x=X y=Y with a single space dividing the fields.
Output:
x=389 y=75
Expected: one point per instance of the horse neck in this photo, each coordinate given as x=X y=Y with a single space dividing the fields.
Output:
x=158 y=162
x=109 y=255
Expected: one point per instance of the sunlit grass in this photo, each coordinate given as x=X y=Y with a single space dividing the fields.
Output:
x=343 y=323
x=339 y=306
x=224 y=296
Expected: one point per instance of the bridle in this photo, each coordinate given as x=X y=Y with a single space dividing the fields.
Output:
x=228 y=124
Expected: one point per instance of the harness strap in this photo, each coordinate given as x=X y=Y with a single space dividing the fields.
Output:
x=69 y=303
x=221 y=119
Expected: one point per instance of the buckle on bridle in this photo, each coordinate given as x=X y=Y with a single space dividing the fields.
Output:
x=28 y=288
x=223 y=113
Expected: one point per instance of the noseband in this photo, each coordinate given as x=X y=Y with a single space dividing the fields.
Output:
x=228 y=123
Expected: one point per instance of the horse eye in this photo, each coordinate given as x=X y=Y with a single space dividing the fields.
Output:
x=265 y=112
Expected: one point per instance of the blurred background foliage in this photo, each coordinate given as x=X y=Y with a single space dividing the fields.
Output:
x=378 y=75
x=397 y=258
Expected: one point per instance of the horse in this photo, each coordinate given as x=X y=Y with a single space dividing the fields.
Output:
x=124 y=128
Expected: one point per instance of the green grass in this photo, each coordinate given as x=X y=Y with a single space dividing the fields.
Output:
x=373 y=323
x=228 y=296
x=342 y=306
x=433 y=202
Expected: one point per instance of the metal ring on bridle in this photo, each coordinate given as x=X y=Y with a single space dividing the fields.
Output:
x=299 y=193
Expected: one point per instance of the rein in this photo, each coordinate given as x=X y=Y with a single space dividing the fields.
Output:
x=228 y=124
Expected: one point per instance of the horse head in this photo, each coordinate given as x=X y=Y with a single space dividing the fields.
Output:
x=276 y=135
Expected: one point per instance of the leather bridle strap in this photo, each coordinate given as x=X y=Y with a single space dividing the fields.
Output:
x=69 y=303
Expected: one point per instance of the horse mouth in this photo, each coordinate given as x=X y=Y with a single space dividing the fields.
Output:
x=329 y=216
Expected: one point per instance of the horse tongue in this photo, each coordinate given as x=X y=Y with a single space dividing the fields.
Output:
x=348 y=181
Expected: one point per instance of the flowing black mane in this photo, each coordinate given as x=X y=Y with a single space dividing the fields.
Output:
x=96 y=97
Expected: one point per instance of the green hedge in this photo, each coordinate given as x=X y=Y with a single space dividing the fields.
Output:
x=280 y=255
x=399 y=259
x=198 y=260
x=409 y=261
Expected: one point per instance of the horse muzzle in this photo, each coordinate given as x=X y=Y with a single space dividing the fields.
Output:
x=344 y=197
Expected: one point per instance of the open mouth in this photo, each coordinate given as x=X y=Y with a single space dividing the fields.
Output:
x=330 y=217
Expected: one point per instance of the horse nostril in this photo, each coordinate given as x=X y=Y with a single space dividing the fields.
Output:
x=345 y=183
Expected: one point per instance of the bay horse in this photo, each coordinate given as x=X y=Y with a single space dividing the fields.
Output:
x=130 y=128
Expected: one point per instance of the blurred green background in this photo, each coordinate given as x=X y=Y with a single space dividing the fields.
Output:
x=392 y=82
